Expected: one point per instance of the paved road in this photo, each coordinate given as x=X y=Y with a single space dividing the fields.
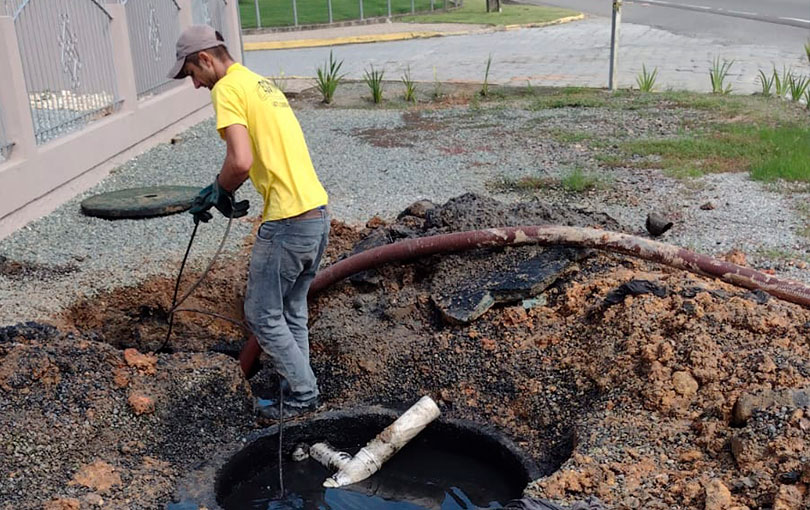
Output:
x=572 y=54
x=706 y=25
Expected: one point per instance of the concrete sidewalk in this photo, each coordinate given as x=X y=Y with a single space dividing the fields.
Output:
x=374 y=32
x=576 y=54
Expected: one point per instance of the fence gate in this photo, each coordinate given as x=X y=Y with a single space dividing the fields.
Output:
x=67 y=60
x=154 y=26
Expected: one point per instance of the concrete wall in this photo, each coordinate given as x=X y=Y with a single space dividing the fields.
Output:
x=36 y=179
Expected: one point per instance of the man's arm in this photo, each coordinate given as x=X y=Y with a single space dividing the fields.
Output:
x=238 y=158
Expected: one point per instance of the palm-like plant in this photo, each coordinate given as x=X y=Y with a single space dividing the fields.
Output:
x=718 y=73
x=373 y=78
x=646 y=80
x=329 y=78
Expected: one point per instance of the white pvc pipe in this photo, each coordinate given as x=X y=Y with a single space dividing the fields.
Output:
x=328 y=456
x=371 y=457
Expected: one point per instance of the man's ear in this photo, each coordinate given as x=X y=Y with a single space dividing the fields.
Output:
x=205 y=58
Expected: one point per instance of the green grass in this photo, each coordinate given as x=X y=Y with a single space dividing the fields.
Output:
x=567 y=136
x=768 y=138
x=573 y=181
x=768 y=153
x=570 y=97
x=577 y=181
x=276 y=13
x=475 y=12
x=785 y=154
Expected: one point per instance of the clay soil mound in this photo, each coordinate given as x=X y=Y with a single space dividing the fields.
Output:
x=695 y=394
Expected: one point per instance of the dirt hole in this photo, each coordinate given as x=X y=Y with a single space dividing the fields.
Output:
x=451 y=464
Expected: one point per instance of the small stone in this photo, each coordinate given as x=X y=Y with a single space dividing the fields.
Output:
x=93 y=499
x=790 y=477
x=767 y=365
x=145 y=363
x=120 y=377
x=718 y=497
x=735 y=257
x=685 y=385
x=98 y=476
x=62 y=504
x=789 y=497
x=708 y=206
x=375 y=222
x=690 y=456
x=419 y=208
x=488 y=344
x=141 y=404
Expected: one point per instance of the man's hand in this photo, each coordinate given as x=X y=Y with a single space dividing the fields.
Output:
x=214 y=195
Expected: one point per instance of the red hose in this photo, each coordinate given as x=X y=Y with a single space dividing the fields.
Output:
x=646 y=249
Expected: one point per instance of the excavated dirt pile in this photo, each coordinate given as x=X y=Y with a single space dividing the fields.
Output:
x=642 y=385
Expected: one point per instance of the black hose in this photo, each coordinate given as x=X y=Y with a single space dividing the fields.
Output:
x=175 y=302
x=280 y=434
x=177 y=288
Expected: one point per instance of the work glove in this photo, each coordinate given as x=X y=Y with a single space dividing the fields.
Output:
x=214 y=195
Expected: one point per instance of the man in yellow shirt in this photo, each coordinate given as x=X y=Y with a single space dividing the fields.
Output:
x=265 y=143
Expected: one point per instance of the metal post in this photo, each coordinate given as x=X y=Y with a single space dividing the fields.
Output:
x=329 y=5
x=389 y=8
x=295 y=13
x=361 y=10
x=432 y=3
x=258 y=14
x=614 y=43
x=413 y=6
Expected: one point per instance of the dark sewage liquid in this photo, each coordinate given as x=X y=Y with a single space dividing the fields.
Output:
x=416 y=478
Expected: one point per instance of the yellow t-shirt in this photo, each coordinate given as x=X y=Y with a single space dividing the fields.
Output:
x=282 y=170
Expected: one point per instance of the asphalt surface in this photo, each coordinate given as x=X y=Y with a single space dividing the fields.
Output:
x=707 y=25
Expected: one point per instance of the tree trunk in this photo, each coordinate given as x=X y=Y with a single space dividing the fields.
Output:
x=493 y=5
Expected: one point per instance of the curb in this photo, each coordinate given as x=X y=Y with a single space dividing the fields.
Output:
x=398 y=36
x=559 y=21
x=336 y=41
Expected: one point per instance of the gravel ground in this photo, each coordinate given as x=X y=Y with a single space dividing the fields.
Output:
x=638 y=403
x=376 y=162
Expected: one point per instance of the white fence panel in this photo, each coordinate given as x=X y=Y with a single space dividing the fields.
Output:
x=67 y=59
x=154 y=26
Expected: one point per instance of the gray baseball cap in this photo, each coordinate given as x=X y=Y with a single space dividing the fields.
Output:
x=193 y=39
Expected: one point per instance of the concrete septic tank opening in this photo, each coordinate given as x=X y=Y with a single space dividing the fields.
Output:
x=451 y=464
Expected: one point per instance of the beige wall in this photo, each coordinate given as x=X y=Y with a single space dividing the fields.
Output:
x=38 y=178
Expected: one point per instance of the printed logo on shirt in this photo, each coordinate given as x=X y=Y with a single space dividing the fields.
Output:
x=268 y=91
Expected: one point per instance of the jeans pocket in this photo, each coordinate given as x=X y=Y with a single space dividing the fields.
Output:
x=267 y=231
x=297 y=257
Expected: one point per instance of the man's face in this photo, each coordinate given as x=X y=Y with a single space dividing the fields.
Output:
x=202 y=74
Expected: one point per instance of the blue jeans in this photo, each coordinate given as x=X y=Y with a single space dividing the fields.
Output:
x=285 y=258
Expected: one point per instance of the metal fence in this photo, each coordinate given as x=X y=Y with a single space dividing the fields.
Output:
x=270 y=13
x=66 y=54
x=212 y=12
x=154 y=26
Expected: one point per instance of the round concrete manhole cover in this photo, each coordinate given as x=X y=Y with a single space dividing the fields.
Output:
x=140 y=202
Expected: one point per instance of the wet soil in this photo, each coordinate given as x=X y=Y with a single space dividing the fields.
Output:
x=643 y=391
